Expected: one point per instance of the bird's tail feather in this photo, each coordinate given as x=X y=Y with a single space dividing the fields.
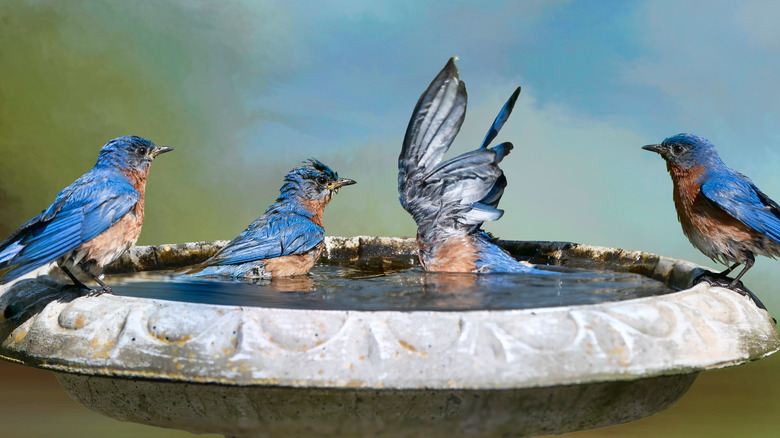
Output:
x=18 y=271
x=190 y=270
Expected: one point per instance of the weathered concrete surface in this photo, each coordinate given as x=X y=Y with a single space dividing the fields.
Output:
x=288 y=368
x=346 y=412
x=693 y=330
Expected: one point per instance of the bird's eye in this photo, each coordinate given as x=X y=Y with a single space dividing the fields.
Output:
x=677 y=149
x=142 y=151
x=322 y=180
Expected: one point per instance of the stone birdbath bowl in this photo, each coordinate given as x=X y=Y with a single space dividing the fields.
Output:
x=243 y=370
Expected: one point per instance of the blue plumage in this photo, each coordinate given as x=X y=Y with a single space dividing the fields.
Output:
x=738 y=197
x=287 y=239
x=721 y=211
x=450 y=200
x=108 y=198
x=277 y=234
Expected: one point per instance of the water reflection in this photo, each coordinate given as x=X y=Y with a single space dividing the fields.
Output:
x=344 y=288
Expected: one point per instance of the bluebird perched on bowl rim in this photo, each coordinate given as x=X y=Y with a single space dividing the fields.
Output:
x=450 y=200
x=723 y=214
x=92 y=221
x=288 y=238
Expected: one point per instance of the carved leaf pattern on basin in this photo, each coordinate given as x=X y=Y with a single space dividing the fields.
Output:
x=171 y=324
x=415 y=335
x=375 y=346
x=657 y=320
x=78 y=313
x=303 y=333
x=555 y=331
x=716 y=307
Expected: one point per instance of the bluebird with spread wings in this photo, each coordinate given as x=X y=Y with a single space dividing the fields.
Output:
x=92 y=221
x=288 y=238
x=721 y=211
x=450 y=200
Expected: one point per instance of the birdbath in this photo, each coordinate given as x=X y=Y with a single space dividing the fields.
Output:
x=243 y=370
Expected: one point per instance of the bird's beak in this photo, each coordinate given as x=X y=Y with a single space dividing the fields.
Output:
x=657 y=148
x=341 y=182
x=159 y=150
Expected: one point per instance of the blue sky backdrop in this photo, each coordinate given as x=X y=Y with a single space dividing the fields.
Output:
x=246 y=90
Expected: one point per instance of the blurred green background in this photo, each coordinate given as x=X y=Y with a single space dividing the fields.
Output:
x=246 y=90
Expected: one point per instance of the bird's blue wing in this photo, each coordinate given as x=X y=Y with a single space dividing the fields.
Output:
x=435 y=122
x=269 y=237
x=501 y=118
x=737 y=196
x=80 y=212
x=43 y=241
x=467 y=188
x=98 y=217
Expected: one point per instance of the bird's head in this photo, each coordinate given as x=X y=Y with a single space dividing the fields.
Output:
x=685 y=151
x=130 y=152
x=314 y=181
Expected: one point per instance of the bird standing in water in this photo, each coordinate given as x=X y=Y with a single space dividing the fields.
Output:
x=92 y=221
x=288 y=238
x=449 y=201
x=721 y=211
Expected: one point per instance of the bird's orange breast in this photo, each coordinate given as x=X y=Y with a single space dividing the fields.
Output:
x=701 y=219
x=110 y=244
x=455 y=254
x=297 y=264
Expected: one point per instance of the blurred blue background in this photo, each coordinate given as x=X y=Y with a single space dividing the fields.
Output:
x=246 y=90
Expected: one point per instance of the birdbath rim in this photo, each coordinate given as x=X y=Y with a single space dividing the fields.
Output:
x=702 y=327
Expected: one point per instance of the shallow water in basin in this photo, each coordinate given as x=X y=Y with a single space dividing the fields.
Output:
x=342 y=288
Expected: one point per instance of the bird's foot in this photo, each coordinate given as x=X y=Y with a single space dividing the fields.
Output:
x=84 y=290
x=718 y=279
x=98 y=292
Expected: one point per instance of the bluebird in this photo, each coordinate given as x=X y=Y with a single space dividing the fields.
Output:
x=288 y=238
x=721 y=211
x=449 y=201
x=92 y=221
